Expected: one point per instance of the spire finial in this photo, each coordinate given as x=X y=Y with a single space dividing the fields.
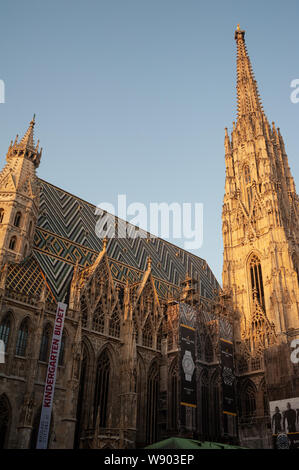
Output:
x=28 y=138
x=149 y=262
x=249 y=101
x=238 y=27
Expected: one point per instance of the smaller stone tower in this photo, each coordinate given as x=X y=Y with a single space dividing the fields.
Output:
x=19 y=198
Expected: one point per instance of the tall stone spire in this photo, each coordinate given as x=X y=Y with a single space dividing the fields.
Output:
x=260 y=217
x=248 y=96
x=19 y=198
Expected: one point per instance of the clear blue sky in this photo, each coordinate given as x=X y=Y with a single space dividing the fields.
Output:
x=132 y=96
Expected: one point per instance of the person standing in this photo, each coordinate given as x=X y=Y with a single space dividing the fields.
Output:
x=276 y=421
x=290 y=417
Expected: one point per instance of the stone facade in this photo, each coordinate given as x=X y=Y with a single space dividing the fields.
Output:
x=118 y=377
x=261 y=252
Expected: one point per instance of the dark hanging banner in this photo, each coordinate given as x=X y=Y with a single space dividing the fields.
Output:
x=228 y=377
x=188 y=376
x=187 y=372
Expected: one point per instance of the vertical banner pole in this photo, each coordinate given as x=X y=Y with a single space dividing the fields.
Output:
x=45 y=419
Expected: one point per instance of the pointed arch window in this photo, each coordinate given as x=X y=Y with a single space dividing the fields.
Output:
x=1 y=215
x=256 y=279
x=147 y=334
x=247 y=184
x=4 y=421
x=98 y=320
x=5 y=327
x=22 y=339
x=152 y=405
x=249 y=401
x=114 y=324
x=12 y=243
x=45 y=344
x=17 y=220
x=102 y=389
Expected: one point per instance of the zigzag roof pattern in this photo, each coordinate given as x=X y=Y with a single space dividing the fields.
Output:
x=66 y=235
x=27 y=278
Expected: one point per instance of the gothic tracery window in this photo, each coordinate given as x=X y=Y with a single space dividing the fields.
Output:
x=5 y=327
x=102 y=389
x=98 y=320
x=256 y=278
x=45 y=344
x=260 y=331
x=152 y=405
x=249 y=400
x=114 y=324
x=147 y=334
x=22 y=339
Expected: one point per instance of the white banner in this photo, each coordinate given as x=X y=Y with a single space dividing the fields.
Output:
x=45 y=419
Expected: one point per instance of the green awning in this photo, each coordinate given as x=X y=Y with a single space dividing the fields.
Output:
x=179 y=443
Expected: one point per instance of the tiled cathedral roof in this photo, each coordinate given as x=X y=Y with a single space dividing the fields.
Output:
x=66 y=235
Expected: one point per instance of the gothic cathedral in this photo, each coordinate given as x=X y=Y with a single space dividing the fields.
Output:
x=152 y=346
